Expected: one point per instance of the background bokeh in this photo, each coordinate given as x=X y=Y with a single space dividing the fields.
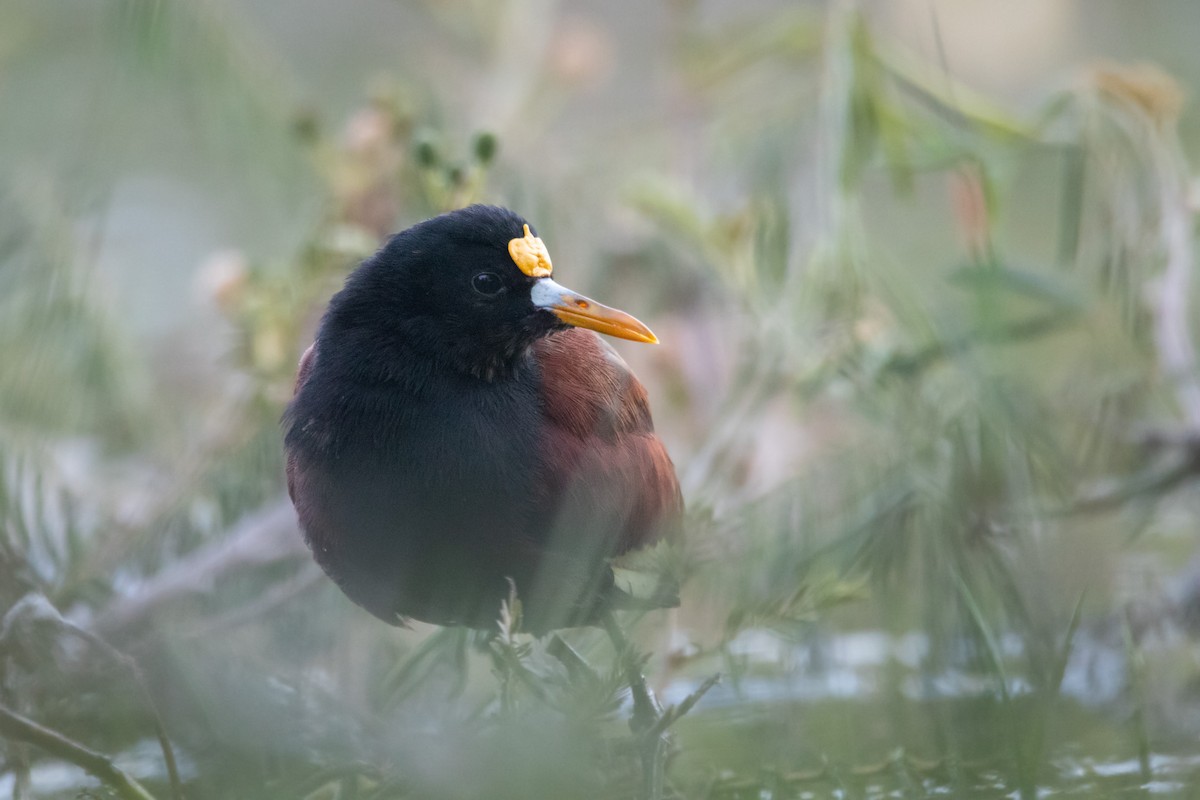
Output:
x=923 y=274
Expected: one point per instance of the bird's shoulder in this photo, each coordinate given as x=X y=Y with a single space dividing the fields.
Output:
x=601 y=443
x=587 y=388
x=307 y=362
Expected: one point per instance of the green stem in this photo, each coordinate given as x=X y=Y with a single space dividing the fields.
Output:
x=646 y=713
x=21 y=729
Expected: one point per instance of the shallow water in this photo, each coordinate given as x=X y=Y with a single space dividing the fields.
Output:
x=858 y=715
x=811 y=751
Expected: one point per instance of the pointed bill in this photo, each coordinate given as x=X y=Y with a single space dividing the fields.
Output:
x=583 y=312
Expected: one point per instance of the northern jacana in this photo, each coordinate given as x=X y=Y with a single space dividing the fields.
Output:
x=458 y=430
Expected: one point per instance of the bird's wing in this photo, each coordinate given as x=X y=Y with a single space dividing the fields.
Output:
x=605 y=467
x=307 y=361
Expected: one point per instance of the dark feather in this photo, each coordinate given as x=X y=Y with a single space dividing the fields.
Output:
x=439 y=446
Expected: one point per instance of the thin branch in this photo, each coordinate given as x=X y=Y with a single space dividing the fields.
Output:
x=18 y=728
x=1185 y=439
x=646 y=709
x=947 y=96
x=34 y=607
x=673 y=714
x=910 y=364
x=647 y=713
x=278 y=595
x=576 y=665
x=264 y=537
x=1149 y=483
x=134 y=669
x=1172 y=334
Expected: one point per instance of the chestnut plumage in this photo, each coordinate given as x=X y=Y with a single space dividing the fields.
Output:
x=452 y=435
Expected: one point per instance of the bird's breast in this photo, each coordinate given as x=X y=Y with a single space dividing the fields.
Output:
x=408 y=499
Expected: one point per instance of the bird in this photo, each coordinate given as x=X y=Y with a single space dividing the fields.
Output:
x=459 y=435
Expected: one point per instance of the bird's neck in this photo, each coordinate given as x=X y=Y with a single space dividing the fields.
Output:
x=413 y=361
x=487 y=364
x=483 y=355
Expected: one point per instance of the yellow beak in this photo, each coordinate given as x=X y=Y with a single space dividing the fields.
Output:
x=583 y=312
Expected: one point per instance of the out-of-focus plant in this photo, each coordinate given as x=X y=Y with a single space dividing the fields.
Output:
x=950 y=460
x=873 y=429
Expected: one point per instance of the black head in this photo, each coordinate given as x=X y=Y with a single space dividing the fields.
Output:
x=469 y=290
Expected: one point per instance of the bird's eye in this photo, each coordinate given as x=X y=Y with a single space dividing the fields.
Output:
x=487 y=283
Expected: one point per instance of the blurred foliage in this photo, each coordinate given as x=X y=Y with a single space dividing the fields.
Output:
x=928 y=376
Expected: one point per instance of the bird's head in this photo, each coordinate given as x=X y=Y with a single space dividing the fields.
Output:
x=472 y=287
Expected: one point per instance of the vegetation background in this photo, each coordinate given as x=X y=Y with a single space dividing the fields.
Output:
x=923 y=273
